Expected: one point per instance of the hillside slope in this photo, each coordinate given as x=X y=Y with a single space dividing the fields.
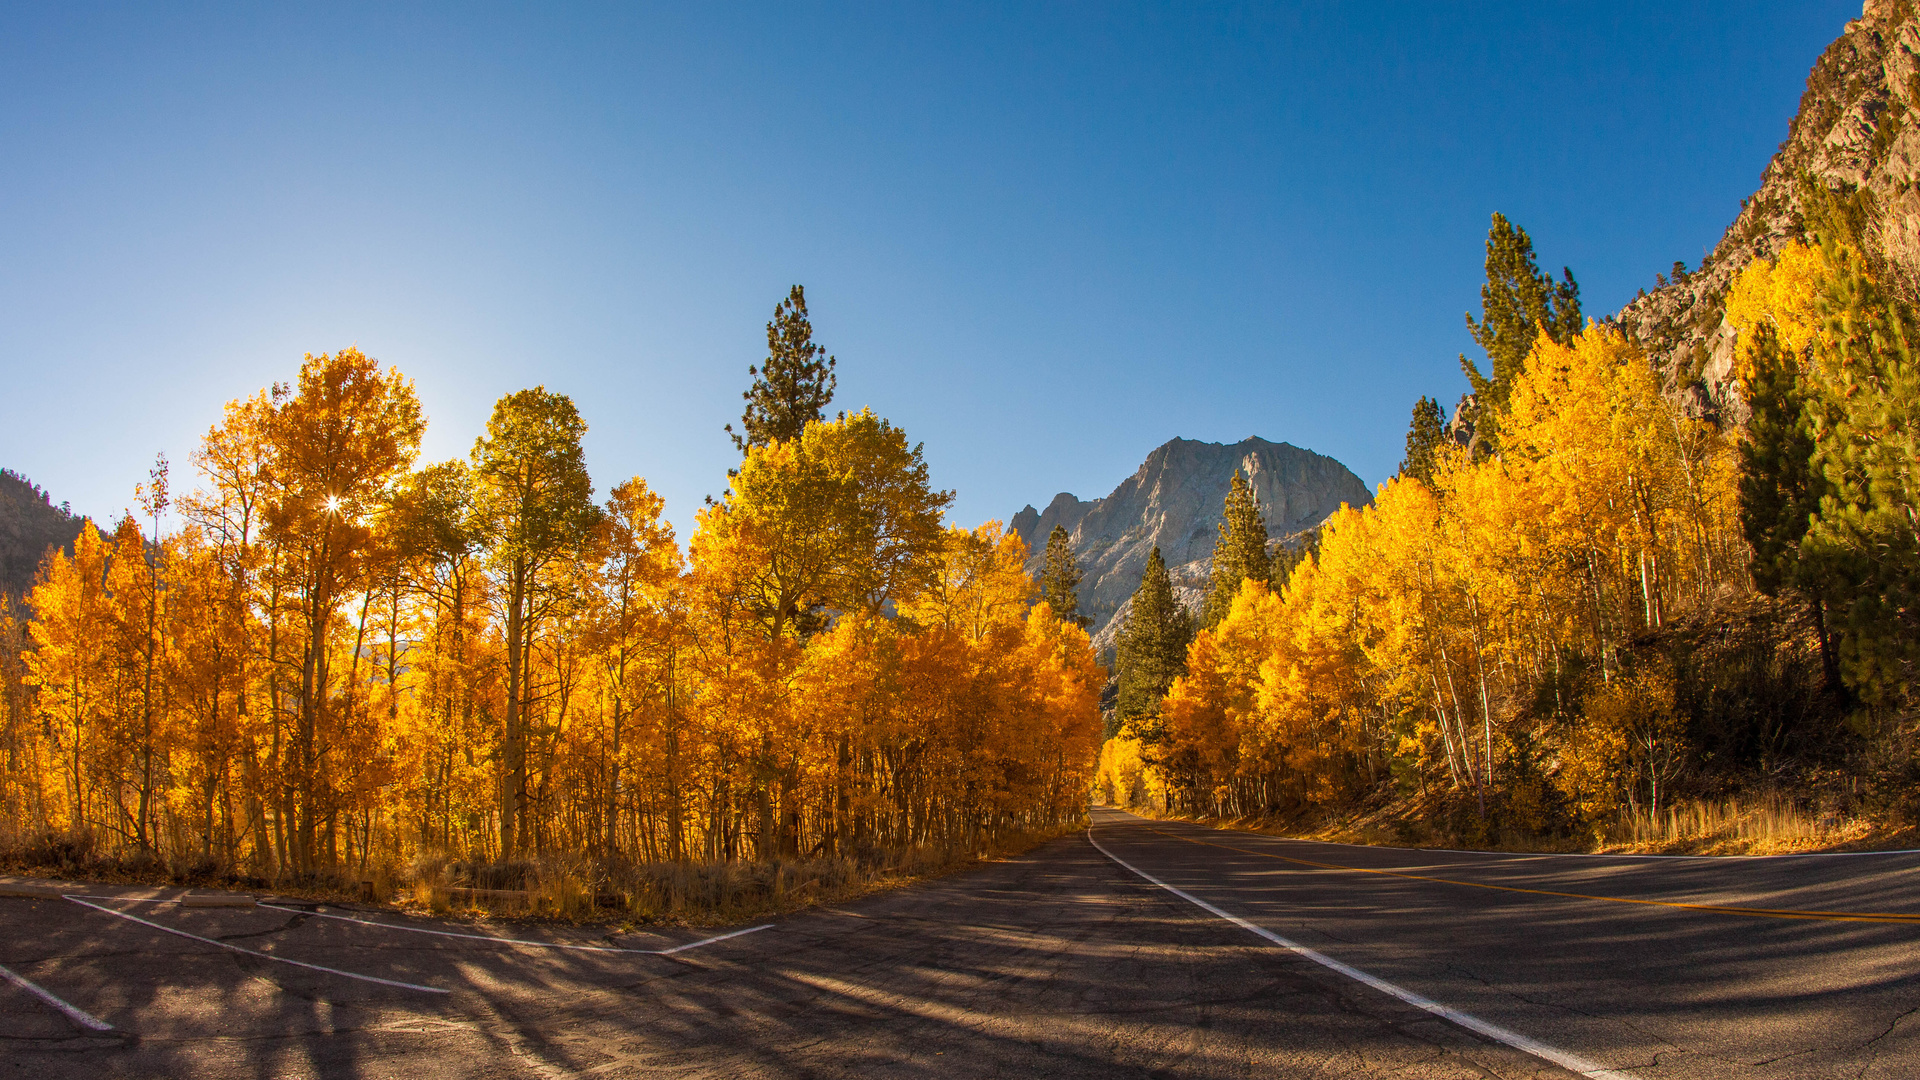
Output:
x=29 y=525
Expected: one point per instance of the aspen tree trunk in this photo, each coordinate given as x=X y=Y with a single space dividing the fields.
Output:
x=146 y=703
x=514 y=764
x=676 y=810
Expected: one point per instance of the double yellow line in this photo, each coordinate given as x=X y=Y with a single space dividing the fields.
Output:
x=1719 y=909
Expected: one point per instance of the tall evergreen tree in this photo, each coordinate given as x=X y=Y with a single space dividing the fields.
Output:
x=1780 y=487
x=792 y=386
x=1425 y=434
x=1517 y=303
x=1060 y=580
x=1239 y=552
x=1152 y=649
x=1864 y=407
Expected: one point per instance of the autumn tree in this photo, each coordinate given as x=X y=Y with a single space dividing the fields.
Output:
x=792 y=386
x=1060 y=579
x=341 y=437
x=843 y=518
x=532 y=507
x=1239 y=551
x=310 y=677
x=639 y=625
x=69 y=663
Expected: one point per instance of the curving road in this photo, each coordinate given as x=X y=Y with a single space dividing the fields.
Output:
x=1797 y=966
x=1110 y=953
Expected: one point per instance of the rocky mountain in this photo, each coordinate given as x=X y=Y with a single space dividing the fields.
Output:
x=1855 y=130
x=1174 y=502
x=29 y=525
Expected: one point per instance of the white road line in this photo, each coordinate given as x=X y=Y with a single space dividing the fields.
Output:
x=79 y=1016
x=261 y=955
x=711 y=940
x=1571 y=1062
x=523 y=941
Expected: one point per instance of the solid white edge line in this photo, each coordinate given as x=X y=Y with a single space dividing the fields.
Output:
x=520 y=941
x=261 y=955
x=79 y=1016
x=1571 y=1062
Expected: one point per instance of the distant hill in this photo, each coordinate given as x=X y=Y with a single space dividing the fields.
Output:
x=29 y=524
x=1174 y=501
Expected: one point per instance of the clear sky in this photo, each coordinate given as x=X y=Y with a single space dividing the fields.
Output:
x=1044 y=239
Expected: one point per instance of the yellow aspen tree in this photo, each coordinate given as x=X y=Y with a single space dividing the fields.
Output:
x=69 y=664
x=342 y=436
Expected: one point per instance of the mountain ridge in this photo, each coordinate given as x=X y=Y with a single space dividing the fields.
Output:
x=1173 y=501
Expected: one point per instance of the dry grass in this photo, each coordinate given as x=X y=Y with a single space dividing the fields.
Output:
x=1765 y=825
x=564 y=888
x=687 y=893
x=1751 y=825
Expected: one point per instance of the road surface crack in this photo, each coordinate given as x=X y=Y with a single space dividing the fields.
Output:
x=1873 y=1050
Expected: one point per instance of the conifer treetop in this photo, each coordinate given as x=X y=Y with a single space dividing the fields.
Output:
x=792 y=386
x=1240 y=553
x=1517 y=303
x=1060 y=579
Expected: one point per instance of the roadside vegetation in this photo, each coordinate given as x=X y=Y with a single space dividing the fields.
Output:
x=332 y=667
x=1583 y=616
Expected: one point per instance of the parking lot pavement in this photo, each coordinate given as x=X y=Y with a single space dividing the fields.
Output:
x=1056 y=963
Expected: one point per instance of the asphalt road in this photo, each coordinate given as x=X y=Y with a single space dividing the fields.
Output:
x=1060 y=963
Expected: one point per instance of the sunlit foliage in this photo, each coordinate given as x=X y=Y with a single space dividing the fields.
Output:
x=338 y=659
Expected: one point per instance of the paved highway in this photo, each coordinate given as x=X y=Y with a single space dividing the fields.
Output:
x=1344 y=962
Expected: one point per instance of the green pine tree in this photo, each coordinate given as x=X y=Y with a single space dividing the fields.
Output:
x=1425 y=435
x=1517 y=303
x=792 y=386
x=1060 y=580
x=1239 y=552
x=1780 y=488
x=1152 y=650
x=1863 y=402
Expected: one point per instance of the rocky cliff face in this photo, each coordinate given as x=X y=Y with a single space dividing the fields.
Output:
x=1856 y=130
x=1174 y=502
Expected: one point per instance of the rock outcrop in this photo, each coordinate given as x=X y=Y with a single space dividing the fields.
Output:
x=1855 y=130
x=1174 y=502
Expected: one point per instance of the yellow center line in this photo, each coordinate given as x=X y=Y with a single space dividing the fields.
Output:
x=1722 y=909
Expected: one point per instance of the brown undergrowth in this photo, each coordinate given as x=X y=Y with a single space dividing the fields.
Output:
x=560 y=889
x=1772 y=823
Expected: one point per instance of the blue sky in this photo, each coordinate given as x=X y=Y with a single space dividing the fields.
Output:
x=1042 y=238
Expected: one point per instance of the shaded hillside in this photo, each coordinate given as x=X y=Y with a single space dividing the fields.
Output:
x=29 y=525
x=1174 y=502
x=1855 y=130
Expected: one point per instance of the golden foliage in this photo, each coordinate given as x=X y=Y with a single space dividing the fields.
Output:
x=1419 y=641
x=341 y=663
x=1782 y=293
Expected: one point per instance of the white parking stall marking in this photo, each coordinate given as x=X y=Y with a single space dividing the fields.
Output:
x=523 y=941
x=261 y=955
x=1571 y=1062
x=711 y=940
x=79 y=1016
